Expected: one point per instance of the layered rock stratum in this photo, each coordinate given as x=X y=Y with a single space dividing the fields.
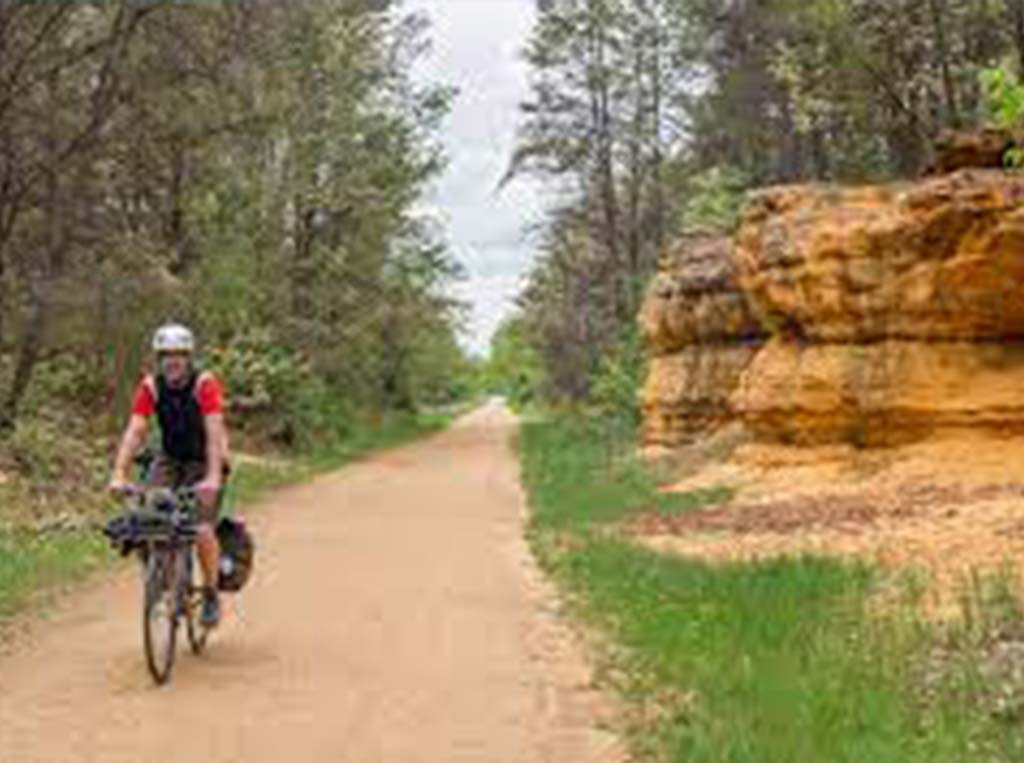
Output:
x=702 y=334
x=889 y=315
x=873 y=315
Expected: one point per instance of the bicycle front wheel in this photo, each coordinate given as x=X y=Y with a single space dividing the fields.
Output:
x=160 y=613
x=197 y=634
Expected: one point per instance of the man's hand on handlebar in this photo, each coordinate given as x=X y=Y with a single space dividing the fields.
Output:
x=207 y=491
x=122 y=488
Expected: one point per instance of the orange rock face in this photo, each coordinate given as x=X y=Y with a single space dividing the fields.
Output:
x=936 y=260
x=960 y=149
x=695 y=299
x=895 y=312
x=881 y=394
x=702 y=335
x=689 y=392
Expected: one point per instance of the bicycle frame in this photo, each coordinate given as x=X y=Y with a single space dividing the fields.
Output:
x=164 y=538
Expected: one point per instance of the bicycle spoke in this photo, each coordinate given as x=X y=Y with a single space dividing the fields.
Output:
x=160 y=614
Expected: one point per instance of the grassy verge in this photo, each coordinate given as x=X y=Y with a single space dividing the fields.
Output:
x=32 y=563
x=781 y=661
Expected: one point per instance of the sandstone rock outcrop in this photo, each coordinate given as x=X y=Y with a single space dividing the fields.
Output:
x=973 y=149
x=895 y=312
x=942 y=259
x=702 y=335
x=880 y=394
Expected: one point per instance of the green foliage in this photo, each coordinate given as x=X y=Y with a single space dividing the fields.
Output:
x=61 y=463
x=74 y=381
x=656 y=115
x=513 y=368
x=275 y=393
x=33 y=449
x=259 y=372
x=1004 y=106
x=1004 y=98
x=714 y=198
x=266 y=176
x=439 y=371
x=616 y=386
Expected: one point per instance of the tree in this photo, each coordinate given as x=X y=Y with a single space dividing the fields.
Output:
x=654 y=116
x=513 y=369
x=62 y=84
x=252 y=168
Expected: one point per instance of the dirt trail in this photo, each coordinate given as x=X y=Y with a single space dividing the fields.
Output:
x=395 y=616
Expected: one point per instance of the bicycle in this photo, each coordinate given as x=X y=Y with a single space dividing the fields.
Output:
x=160 y=526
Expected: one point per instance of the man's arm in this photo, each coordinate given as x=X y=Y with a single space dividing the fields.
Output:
x=134 y=436
x=216 y=440
x=225 y=445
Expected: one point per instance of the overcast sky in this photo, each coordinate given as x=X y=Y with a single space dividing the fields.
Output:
x=476 y=48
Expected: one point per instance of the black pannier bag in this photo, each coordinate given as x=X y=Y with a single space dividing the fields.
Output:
x=236 y=554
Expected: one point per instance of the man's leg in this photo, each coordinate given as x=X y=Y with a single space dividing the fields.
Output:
x=208 y=550
x=209 y=553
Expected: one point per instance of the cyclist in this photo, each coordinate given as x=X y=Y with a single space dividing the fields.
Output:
x=189 y=407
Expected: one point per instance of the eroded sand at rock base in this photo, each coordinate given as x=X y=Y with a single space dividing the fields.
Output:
x=946 y=508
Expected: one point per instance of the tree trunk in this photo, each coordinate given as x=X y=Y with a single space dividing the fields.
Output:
x=788 y=168
x=657 y=155
x=175 y=230
x=938 y=12
x=636 y=174
x=36 y=275
x=1015 y=9
x=4 y=300
x=605 y=158
x=28 y=356
x=302 y=265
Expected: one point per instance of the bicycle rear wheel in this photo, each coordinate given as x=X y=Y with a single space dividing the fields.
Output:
x=160 y=613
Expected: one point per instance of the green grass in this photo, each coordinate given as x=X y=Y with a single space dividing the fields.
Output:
x=581 y=472
x=31 y=564
x=773 y=662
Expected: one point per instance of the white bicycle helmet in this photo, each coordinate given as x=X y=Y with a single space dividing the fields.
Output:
x=173 y=338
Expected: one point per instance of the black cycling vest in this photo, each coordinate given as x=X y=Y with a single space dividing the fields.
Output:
x=182 y=427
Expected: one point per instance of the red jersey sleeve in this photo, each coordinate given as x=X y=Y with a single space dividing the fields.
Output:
x=210 y=395
x=143 y=403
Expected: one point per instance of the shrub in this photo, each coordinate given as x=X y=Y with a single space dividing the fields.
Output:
x=614 y=389
x=1004 y=105
x=275 y=393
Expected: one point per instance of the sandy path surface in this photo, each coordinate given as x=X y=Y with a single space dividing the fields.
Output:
x=395 y=615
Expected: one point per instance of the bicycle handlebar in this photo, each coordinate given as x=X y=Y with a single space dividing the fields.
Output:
x=185 y=493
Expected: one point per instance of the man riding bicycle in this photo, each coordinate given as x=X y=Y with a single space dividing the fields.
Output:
x=189 y=407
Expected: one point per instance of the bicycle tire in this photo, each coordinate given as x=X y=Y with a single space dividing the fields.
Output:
x=160 y=614
x=197 y=634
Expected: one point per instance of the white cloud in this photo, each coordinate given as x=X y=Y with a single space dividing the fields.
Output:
x=492 y=298
x=476 y=48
